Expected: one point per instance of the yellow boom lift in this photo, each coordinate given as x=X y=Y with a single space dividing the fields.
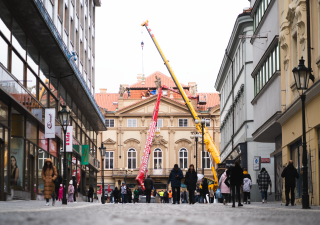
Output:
x=211 y=147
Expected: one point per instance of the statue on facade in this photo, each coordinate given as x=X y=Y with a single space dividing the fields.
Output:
x=122 y=90
x=194 y=90
x=158 y=83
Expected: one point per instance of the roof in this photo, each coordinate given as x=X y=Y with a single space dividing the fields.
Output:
x=213 y=99
x=106 y=100
x=149 y=81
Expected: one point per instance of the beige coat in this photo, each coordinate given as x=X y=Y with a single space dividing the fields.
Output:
x=48 y=179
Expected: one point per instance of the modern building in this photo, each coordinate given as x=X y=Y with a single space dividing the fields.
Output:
x=294 y=44
x=39 y=41
x=235 y=84
x=128 y=120
x=266 y=73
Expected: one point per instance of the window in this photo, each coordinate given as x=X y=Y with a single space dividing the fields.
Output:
x=110 y=122
x=4 y=52
x=183 y=158
x=132 y=122
x=183 y=122
x=132 y=158
x=157 y=159
x=208 y=122
x=159 y=123
x=109 y=160
x=206 y=160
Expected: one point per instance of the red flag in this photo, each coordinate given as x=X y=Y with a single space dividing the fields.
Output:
x=109 y=190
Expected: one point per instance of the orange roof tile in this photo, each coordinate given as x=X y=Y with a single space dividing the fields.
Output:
x=106 y=100
x=212 y=100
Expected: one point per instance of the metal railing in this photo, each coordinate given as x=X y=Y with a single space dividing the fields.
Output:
x=65 y=50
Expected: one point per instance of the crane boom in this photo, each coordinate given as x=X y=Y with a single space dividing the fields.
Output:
x=211 y=147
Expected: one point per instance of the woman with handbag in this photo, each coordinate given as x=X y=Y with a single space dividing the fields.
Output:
x=49 y=175
x=191 y=182
x=224 y=188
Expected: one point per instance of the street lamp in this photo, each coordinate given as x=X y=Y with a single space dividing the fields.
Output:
x=203 y=122
x=63 y=116
x=301 y=75
x=102 y=153
x=196 y=136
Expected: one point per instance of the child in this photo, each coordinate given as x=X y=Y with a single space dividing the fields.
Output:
x=70 y=191
x=60 y=192
x=246 y=190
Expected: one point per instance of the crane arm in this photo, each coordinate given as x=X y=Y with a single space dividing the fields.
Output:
x=211 y=147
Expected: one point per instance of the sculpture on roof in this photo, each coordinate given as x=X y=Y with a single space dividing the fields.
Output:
x=194 y=90
x=158 y=83
x=122 y=90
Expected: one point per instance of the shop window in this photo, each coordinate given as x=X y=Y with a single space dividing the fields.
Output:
x=183 y=158
x=109 y=160
x=132 y=158
x=31 y=132
x=16 y=162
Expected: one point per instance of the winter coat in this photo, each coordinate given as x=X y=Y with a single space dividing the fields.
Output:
x=205 y=189
x=148 y=183
x=191 y=180
x=70 y=189
x=264 y=181
x=175 y=181
x=57 y=182
x=236 y=175
x=136 y=194
x=74 y=180
x=247 y=184
x=90 y=192
x=60 y=192
x=49 y=176
x=116 y=193
x=129 y=194
x=223 y=187
x=290 y=174
x=123 y=190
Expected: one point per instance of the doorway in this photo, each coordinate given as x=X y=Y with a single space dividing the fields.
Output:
x=31 y=176
x=2 y=165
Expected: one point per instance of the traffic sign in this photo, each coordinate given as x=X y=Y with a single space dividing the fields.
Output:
x=256 y=163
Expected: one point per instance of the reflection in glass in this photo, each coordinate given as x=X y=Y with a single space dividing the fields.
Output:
x=31 y=82
x=32 y=57
x=3 y=52
x=43 y=94
x=44 y=72
x=17 y=67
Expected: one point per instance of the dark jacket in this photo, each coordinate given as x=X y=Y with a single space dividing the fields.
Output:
x=290 y=174
x=175 y=181
x=116 y=193
x=74 y=180
x=236 y=175
x=191 y=180
x=58 y=181
x=129 y=194
x=247 y=176
x=205 y=189
x=148 y=183
x=90 y=192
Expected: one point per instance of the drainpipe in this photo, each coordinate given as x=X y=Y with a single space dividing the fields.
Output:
x=232 y=89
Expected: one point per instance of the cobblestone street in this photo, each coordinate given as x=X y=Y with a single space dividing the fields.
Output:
x=34 y=212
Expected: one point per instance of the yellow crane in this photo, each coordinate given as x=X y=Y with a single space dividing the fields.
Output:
x=211 y=147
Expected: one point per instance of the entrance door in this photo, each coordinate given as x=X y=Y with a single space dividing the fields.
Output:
x=278 y=184
x=31 y=175
x=2 y=195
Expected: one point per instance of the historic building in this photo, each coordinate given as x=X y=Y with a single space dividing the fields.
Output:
x=235 y=84
x=294 y=45
x=39 y=42
x=128 y=118
x=266 y=73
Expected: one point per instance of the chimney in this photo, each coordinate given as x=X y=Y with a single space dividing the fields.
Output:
x=139 y=77
x=103 y=90
x=191 y=84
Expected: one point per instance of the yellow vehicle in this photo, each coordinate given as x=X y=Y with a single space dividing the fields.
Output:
x=211 y=147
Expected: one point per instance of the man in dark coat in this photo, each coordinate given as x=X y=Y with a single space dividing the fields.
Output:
x=74 y=180
x=148 y=184
x=191 y=182
x=175 y=178
x=205 y=189
x=116 y=194
x=236 y=180
x=290 y=173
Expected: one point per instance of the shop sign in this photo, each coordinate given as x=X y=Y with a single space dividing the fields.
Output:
x=85 y=155
x=69 y=139
x=265 y=160
x=50 y=115
x=256 y=163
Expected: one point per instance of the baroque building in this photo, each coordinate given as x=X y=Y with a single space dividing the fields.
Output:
x=128 y=118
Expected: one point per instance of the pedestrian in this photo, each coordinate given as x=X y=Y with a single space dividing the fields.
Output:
x=211 y=195
x=191 y=182
x=148 y=184
x=161 y=193
x=264 y=181
x=170 y=196
x=166 y=196
x=116 y=195
x=90 y=193
x=123 y=190
x=175 y=178
x=57 y=184
x=196 y=196
x=247 y=185
x=111 y=197
x=205 y=190
x=154 y=193
x=236 y=181
x=70 y=191
x=74 y=180
x=129 y=195
x=225 y=190
x=185 y=200
x=60 y=192
x=49 y=175
x=290 y=173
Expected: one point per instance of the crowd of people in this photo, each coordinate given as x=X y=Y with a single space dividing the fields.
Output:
x=234 y=182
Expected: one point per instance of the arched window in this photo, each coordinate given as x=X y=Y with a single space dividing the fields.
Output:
x=132 y=158
x=157 y=159
x=183 y=158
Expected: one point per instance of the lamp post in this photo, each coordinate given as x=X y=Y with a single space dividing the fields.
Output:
x=64 y=121
x=102 y=153
x=203 y=122
x=301 y=75
x=196 y=136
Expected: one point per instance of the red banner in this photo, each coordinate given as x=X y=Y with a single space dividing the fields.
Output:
x=265 y=160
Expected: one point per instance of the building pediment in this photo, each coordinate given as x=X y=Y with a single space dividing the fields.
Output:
x=158 y=140
x=109 y=141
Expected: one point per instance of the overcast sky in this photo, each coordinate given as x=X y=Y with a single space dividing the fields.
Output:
x=193 y=35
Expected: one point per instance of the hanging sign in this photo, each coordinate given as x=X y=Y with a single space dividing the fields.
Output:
x=50 y=115
x=69 y=139
x=85 y=155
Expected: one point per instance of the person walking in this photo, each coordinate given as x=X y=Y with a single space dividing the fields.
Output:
x=225 y=190
x=57 y=184
x=60 y=192
x=124 y=192
x=129 y=196
x=290 y=173
x=236 y=181
x=74 y=181
x=191 y=182
x=205 y=190
x=161 y=193
x=175 y=178
x=70 y=191
x=264 y=181
x=170 y=196
x=116 y=195
x=49 y=175
x=148 y=183
x=247 y=184
x=90 y=193
x=211 y=195
x=166 y=196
